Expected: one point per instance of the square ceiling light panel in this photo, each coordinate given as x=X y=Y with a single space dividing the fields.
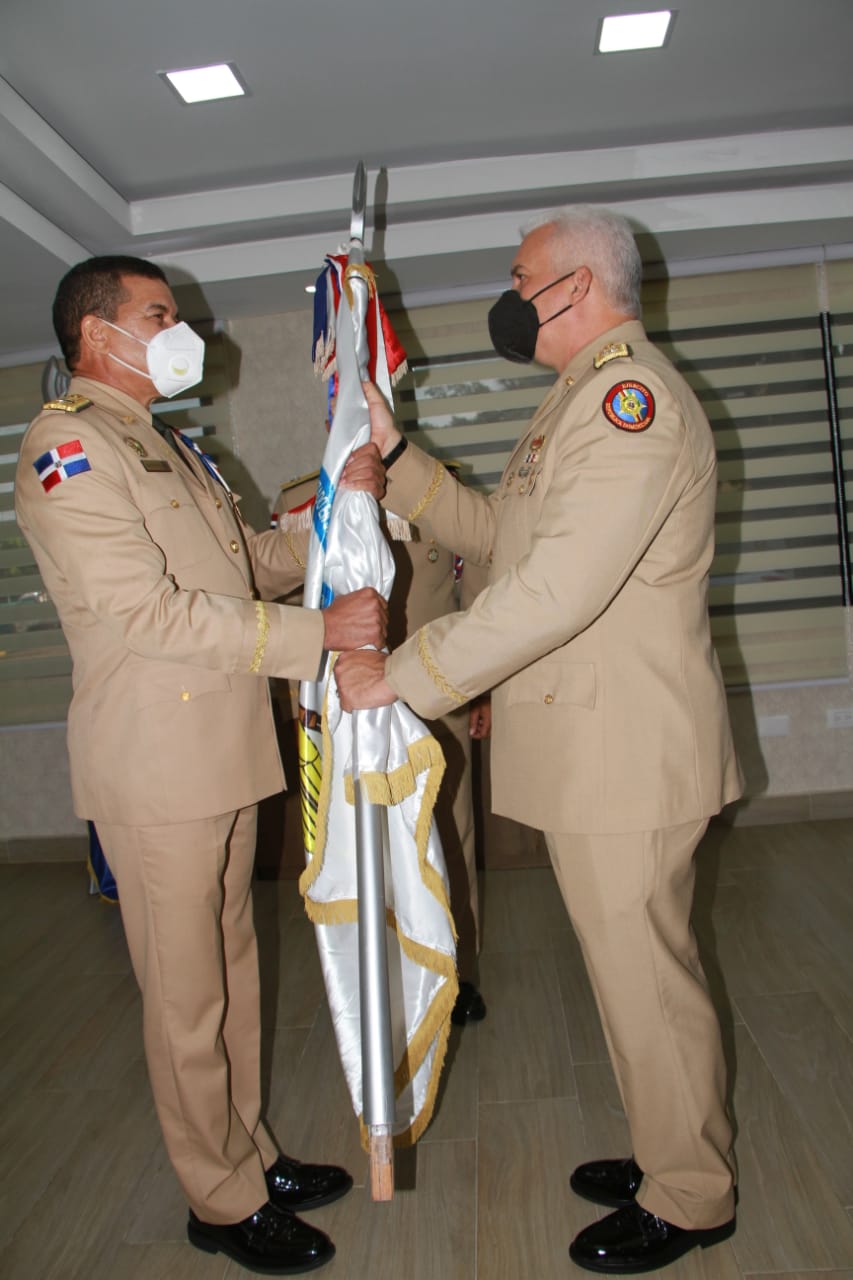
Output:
x=205 y=84
x=626 y=31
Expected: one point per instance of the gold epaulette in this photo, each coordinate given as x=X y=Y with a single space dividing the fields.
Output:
x=613 y=351
x=74 y=403
x=291 y=484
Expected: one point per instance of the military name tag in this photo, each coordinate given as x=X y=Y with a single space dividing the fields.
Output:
x=155 y=464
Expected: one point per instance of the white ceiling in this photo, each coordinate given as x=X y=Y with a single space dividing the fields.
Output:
x=735 y=139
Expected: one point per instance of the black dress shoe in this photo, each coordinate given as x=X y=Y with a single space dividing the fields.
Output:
x=611 y=1182
x=631 y=1240
x=271 y=1242
x=469 y=1007
x=296 y=1186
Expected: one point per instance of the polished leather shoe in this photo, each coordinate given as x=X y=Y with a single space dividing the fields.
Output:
x=610 y=1182
x=469 y=1007
x=631 y=1241
x=270 y=1241
x=296 y=1186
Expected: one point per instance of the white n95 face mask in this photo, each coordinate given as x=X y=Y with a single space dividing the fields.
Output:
x=175 y=358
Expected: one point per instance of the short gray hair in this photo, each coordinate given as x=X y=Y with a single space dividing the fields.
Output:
x=603 y=241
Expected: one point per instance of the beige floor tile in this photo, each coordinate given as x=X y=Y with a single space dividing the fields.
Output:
x=605 y=1129
x=526 y=1009
x=34 y=1134
x=526 y=1215
x=94 y=1182
x=519 y=909
x=163 y=1262
x=788 y=1215
x=746 y=944
x=446 y=1210
x=314 y=1119
x=811 y=1059
x=586 y=1039
x=455 y=1116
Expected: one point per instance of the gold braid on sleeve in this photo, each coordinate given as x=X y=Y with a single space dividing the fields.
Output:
x=434 y=485
x=433 y=672
x=263 y=623
x=292 y=549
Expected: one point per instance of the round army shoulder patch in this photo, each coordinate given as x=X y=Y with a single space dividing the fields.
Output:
x=629 y=406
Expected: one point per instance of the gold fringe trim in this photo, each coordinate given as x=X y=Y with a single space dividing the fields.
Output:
x=435 y=484
x=391 y=788
x=263 y=624
x=433 y=672
x=363 y=271
x=301 y=519
x=399 y=373
x=399 y=530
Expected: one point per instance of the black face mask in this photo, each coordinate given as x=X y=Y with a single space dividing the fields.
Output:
x=514 y=323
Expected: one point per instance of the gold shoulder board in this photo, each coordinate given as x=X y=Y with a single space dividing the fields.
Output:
x=613 y=351
x=68 y=404
x=291 y=484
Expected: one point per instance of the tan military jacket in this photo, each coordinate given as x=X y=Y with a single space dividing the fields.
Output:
x=609 y=712
x=158 y=586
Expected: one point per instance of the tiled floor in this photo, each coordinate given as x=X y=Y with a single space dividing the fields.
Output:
x=86 y=1191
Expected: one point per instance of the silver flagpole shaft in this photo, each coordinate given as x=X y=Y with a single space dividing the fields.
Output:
x=377 y=1058
x=377 y=1055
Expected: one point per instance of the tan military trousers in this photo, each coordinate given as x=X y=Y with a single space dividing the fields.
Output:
x=186 y=904
x=629 y=898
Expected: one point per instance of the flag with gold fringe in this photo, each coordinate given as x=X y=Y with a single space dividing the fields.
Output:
x=400 y=765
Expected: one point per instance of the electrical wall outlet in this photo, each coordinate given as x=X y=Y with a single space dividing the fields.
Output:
x=774 y=726
x=839 y=718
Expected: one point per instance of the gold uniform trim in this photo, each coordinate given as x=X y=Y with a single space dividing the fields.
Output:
x=433 y=672
x=292 y=549
x=435 y=484
x=68 y=404
x=613 y=351
x=263 y=623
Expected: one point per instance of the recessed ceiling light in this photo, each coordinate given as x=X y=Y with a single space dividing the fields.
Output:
x=634 y=31
x=205 y=84
x=310 y=288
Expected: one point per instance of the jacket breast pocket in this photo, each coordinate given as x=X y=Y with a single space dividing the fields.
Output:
x=181 y=532
x=553 y=683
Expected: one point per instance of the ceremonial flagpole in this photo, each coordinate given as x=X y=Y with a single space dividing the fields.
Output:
x=375 y=883
x=375 y=1008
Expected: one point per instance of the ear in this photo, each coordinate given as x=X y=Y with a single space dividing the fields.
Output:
x=581 y=282
x=94 y=334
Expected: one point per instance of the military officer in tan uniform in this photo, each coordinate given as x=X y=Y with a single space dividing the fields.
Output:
x=611 y=730
x=160 y=588
x=426 y=587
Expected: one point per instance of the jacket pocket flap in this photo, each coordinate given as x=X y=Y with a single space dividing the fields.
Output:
x=179 y=684
x=554 y=683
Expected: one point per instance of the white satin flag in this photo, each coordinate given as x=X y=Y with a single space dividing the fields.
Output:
x=400 y=765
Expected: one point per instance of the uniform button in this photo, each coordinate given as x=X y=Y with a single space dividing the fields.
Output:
x=218 y=502
x=185 y=695
x=234 y=545
x=510 y=477
x=570 y=382
x=174 y=503
x=548 y=699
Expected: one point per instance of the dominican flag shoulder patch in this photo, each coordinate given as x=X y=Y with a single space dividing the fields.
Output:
x=61 y=463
